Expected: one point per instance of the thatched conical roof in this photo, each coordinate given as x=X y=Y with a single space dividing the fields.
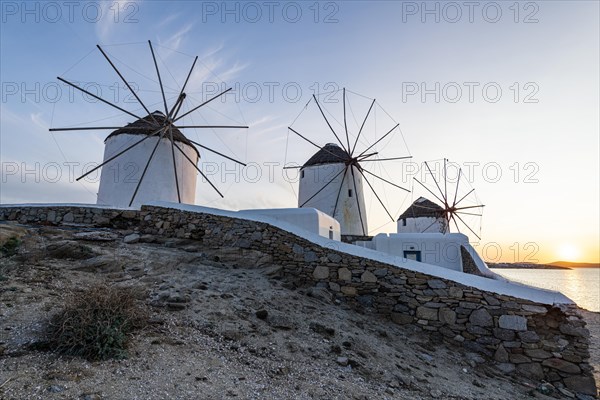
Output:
x=422 y=207
x=329 y=154
x=147 y=126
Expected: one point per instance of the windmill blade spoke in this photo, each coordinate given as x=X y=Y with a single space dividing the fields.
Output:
x=97 y=97
x=174 y=163
x=465 y=224
x=293 y=167
x=345 y=123
x=176 y=106
x=466 y=208
x=320 y=190
x=199 y=170
x=328 y=124
x=203 y=104
x=445 y=181
x=93 y=128
x=162 y=89
x=339 y=192
x=462 y=198
x=455 y=224
x=380 y=139
x=385 y=180
x=361 y=128
x=145 y=169
x=176 y=113
x=119 y=153
x=188 y=76
x=216 y=152
x=466 y=213
x=316 y=145
x=212 y=127
x=430 y=225
x=426 y=188
x=456 y=189
x=362 y=158
x=388 y=159
x=445 y=201
x=376 y=195
x=125 y=82
x=362 y=225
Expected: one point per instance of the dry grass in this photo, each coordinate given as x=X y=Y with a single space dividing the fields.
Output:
x=96 y=324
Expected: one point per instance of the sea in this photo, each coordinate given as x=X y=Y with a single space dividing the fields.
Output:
x=582 y=285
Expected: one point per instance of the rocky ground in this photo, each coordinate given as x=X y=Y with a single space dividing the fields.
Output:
x=224 y=324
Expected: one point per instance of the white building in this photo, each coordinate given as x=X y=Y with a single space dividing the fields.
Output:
x=308 y=219
x=120 y=177
x=324 y=186
x=450 y=250
x=423 y=216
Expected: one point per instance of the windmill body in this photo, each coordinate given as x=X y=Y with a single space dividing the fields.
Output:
x=120 y=177
x=340 y=194
x=423 y=216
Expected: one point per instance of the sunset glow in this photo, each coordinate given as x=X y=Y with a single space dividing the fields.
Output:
x=569 y=252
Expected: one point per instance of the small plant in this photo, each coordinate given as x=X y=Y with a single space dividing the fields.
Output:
x=97 y=323
x=9 y=248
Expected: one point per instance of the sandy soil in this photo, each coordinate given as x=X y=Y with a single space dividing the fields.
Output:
x=206 y=340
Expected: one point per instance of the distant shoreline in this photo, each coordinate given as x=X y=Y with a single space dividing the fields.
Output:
x=553 y=265
x=525 y=266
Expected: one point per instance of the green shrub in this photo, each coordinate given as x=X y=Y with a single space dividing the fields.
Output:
x=9 y=248
x=97 y=323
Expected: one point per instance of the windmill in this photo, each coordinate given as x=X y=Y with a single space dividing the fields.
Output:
x=453 y=209
x=333 y=179
x=168 y=157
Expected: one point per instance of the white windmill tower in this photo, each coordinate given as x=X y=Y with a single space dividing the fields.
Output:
x=150 y=159
x=119 y=177
x=333 y=179
x=345 y=185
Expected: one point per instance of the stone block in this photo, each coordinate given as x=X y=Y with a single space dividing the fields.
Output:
x=348 y=290
x=531 y=370
x=368 y=277
x=436 y=284
x=581 y=384
x=535 y=309
x=401 y=319
x=529 y=337
x=519 y=359
x=344 y=274
x=513 y=322
x=430 y=314
x=562 y=365
x=481 y=317
x=501 y=355
x=537 y=353
x=447 y=316
x=321 y=272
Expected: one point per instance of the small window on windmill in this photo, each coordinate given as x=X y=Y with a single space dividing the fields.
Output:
x=349 y=192
x=301 y=174
x=403 y=221
x=331 y=232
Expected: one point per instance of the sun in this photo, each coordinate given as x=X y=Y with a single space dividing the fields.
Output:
x=568 y=252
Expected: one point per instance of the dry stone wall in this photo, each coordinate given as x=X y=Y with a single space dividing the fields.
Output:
x=534 y=340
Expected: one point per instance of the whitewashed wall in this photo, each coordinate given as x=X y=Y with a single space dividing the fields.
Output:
x=309 y=219
x=436 y=248
x=315 y=177
x=422 y=225
x=120 y=177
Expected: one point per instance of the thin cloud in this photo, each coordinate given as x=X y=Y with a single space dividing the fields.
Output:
x=112 y=17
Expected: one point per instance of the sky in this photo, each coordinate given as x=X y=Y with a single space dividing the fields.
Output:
x=506 y=91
